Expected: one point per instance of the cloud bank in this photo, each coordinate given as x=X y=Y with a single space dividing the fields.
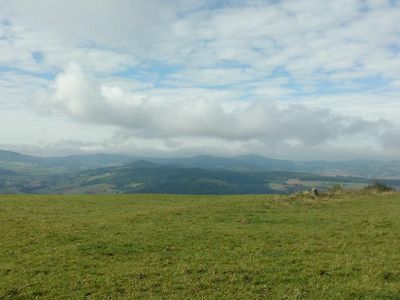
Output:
x=284 y=78
x=159 y=117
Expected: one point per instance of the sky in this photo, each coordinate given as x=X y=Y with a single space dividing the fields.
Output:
x=289 y=79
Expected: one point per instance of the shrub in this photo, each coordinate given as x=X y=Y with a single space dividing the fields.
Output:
x=379 y=186
x=336 y=189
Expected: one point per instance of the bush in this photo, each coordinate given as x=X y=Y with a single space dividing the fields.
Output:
x=336 y=189
x=379 y=186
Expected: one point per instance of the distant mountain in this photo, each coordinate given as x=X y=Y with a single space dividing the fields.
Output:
x=238 y=163
x=363 y=168
x=73 y=163
x=359 y=168
x=104 y=173
x=148 y=177
x=9 y=156
x=87 y=161
x=20 y=163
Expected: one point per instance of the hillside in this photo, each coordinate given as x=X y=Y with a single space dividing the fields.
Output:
x=148 y=177
x=58 y=165
x=251 y=163
x=357 y=168
x=113 y=174
x=199 y=247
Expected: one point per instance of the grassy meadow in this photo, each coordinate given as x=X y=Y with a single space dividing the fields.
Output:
x=200 y=247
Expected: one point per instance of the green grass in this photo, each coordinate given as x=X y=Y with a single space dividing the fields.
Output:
x=199 y=247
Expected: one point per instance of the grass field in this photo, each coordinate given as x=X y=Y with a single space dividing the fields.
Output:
x=200 y=247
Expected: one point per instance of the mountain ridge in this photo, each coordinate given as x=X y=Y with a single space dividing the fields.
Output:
x=106 y=173
x=15 y=161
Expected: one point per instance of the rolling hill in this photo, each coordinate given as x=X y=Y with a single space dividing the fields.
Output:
x=74 y=163
x=63 y=164
x=250 y=174
x=148 y=177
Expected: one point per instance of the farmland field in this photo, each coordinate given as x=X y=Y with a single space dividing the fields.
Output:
x=200 y=247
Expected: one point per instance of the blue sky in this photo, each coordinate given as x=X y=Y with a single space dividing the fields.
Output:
x=291 y=79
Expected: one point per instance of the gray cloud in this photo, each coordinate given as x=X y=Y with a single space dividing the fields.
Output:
x=157 y=117
x=391 y=139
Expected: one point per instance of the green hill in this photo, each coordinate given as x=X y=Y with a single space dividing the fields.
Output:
x=147 y=177
x=112 y=174
x=200 y=247
x=251 y=163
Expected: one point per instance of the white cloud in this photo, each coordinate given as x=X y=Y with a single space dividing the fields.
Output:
x=308 y=73
x=152 y=116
